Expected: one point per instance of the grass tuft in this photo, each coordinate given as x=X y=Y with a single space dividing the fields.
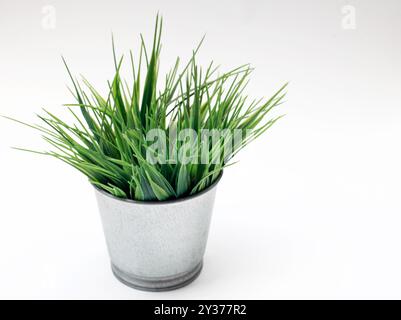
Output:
x=108 y=141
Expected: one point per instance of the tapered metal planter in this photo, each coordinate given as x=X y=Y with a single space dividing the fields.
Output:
x=156 y=246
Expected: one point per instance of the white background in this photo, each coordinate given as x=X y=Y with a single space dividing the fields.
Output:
x=311 y=211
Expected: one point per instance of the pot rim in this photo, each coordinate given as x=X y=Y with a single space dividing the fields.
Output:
x=161 y=202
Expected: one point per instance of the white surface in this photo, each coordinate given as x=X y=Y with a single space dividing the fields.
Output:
x=311 y=211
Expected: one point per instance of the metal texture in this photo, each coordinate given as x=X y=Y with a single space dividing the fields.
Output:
x=156 y=246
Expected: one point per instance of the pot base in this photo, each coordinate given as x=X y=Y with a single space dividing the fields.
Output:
x=157 y=284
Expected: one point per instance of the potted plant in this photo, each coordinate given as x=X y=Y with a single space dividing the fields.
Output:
x=154 y=153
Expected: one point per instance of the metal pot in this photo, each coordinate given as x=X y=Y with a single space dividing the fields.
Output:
x=156 y=246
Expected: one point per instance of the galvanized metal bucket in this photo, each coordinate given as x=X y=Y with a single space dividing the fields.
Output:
x=156 y=246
